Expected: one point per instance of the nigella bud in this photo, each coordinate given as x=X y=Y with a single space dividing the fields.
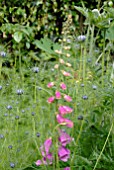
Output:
x=85 y=97
x=32 y=113
x=17 y=117
x=39 y=88
x=89 y=60
x=5 y=114
x=82 y=85
x=22 y=110
x=80 y=117
x=81 y=38
x=94 y=87
x=10 y=146
x=38 y=134
x=3 y=54
x=12 y=165
x=1 y=136
x=35 y=69
x=19 y=91
x=9 y=107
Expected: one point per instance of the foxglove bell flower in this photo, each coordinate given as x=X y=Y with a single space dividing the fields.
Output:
x=51 y=84
x=58 y=95
x=63 y=110
x=39 y=162
x=65 y=73
x=63 y=86
x=68 y=64
x=45 y=161
x=46 y=147
x=56 y=66
x=60 y=119
x=67 y=168
x=69 y=123
x=64 y=138
x=64 y=121
x=67 y=98
x=51 y=99
x=47 y=156
x=61 y=61
x=64 y=154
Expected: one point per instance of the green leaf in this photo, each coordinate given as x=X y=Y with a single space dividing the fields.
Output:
x=47 y=45
x=33 y=55
x=39 y=2
x=27 y=45
x=110 y=33
x=83 y=11
x=17 y=36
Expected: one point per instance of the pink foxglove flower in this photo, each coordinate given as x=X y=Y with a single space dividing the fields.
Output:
x=47 y=156
x=64 y=110
x=61 y=61
x=64 y=121
x=56 y=66
x=67 y=98
x=67 y=168
x=51 y=99
x=58 y=95
x=45 y=160
x=65 y=73
x=51 y=84
x=46 y=147
x=60 y=119
x=68 y=64
x=69 y=123
x=39 y=162
x=64 y=138
x=63 y=86
x=64 y=154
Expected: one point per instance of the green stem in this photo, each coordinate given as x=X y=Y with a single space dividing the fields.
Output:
x=85 y=50
x=103 y=147
x=76 y=143
x=0 y=66
x=80 y=132
x=92 y=40
x=98 y=6
x=20 y=67
x=103 y=59
x=80 y=66
x=35 y=89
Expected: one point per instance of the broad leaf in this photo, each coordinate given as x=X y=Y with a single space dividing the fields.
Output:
x=17 y=36
x=110 y=33
x=47 y=45
x=83 y=11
